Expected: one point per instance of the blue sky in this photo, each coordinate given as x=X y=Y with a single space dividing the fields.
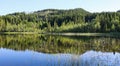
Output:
x=11 y=6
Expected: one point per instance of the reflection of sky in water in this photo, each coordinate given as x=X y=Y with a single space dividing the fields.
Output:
x=92 y=58
x=31 y=58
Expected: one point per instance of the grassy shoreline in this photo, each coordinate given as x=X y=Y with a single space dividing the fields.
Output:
x=19 y=33
x=66 y=34
x=85 y=34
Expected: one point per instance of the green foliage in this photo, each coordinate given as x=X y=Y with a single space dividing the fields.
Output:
x=53 y=20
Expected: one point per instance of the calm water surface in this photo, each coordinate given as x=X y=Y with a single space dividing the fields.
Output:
x=45 y=50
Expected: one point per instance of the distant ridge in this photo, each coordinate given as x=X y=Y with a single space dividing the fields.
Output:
x=55 y=11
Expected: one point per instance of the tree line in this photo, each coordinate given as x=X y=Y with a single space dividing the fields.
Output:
x=54 y=20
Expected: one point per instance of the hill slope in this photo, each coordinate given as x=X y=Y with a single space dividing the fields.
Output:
x=54 y=20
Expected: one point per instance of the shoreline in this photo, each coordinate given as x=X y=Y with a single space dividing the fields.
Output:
x=66 y=34
x=84 y=34
x=19 y=33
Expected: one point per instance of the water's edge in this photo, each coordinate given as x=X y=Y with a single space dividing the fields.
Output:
x=66 y=34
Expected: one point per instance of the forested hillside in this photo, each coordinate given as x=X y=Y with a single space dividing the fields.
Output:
x=54 y=20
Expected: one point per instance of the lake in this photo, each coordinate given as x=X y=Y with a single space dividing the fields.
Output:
x=56 y=50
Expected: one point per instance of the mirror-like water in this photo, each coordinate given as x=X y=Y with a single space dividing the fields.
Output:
x=45 y=50
x=31 y=58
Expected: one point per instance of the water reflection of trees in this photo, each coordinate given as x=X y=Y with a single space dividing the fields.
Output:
x=59 y=44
